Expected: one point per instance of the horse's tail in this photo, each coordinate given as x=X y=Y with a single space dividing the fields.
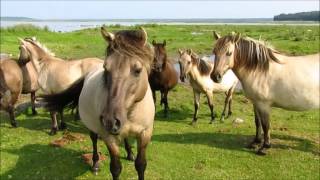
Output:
x=68 y=98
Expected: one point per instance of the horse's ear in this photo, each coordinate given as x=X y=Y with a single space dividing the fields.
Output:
x=164 y=43
x=236 y=37
x=180 y=52
x=144 y=35
x=22 y=42
x=108 y=36
x=153 y=42
x=189 y=51
x=216 y=35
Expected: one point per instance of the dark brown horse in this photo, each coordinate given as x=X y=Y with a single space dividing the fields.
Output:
x=10 y=86
x=163 y=76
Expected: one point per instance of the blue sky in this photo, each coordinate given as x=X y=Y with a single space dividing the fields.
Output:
x=153 y=9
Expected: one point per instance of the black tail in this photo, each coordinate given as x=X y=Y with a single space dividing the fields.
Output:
x=68 y=98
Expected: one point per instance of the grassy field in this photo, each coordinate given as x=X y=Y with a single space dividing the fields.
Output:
x=177 y=150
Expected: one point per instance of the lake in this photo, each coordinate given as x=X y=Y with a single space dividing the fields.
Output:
x=67 y=26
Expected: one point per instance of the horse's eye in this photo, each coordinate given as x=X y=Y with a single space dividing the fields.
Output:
x=229 y=53
x=137 y=71
x=189 y=62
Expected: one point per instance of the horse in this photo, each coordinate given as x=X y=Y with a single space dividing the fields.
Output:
x=269 y=79
x=30 y=82
x=163 y=76
x=54 y=74
x=198 y=72
x=10 y=86
x=112 y=98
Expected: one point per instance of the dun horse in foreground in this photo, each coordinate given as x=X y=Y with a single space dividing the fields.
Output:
x=269 y=79
x=54 y=74
x=198 y=72
x=163 y=76
x=116 y=100
x=10 y=86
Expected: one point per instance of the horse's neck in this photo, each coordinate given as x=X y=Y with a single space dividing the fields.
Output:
x=194 y=73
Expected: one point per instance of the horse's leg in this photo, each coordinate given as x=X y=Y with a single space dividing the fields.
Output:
x=33 y=106
x=196 y=101
x=210 y=104
x=230 y=95
x=264 y=112
x=128 y=148
x=77 y=115
x=95 y=155
x=165 y=101
x=115 y=164
x=161 y=96
x=154 y=96
x=12 y=117
x=225 y=107
x=54 y=124
x=63 y=125
x=257 y=139
x=141 y=162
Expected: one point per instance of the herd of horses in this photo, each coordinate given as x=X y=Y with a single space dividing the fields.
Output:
x=115 y=97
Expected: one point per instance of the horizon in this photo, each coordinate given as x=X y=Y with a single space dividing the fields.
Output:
x=113 y=10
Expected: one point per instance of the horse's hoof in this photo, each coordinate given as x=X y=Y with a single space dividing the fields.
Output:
x=252 y=146
x=267 y=146
x=130 y=157
x=95 y=171
x=53 y=131
x=63 y=126
x=34 y=112
x=193 y=123
x=14 y=125
x=261 y=152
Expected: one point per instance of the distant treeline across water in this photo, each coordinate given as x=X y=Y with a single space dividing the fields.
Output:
x=302 y=16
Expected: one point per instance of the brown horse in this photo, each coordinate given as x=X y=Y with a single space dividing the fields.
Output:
x=30 y=82
x=10 y=86
x=115 y=101
x=163 y=76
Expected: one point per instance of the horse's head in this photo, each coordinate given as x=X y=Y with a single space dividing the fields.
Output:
x=224 y=55
x=30 y=49
x=160 y=55
x=126 y=68
x=186 y=60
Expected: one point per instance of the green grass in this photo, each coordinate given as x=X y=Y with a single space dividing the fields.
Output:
x=177 y=150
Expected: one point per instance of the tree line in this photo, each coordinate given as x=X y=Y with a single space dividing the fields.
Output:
x=301 y=16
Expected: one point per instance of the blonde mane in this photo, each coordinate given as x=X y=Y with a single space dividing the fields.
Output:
x=249 y=53
x=39 y=45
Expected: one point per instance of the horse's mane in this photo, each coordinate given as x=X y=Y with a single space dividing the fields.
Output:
x=127 y=43
x=249 y=53
x=203 y=66
x=39 y=45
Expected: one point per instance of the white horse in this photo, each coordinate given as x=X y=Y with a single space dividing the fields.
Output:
x=113 y=97
x=198 y=71
x=268 y=78
x=54 y=74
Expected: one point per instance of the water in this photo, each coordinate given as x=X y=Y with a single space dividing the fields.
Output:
x=67 y=26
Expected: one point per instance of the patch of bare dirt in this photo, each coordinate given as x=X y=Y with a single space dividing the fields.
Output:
x=67 y=138
x=88 y=157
